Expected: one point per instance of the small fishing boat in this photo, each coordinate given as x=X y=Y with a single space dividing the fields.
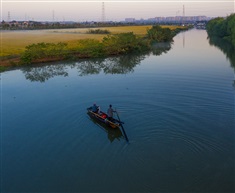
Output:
x=112 y=134
x=103 y=117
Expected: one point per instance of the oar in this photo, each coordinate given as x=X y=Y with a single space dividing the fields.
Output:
x=122 y=127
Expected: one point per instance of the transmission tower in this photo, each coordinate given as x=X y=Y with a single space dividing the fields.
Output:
x=183 y=14
x=8 y=16
x=53 y=16
x=103 y=12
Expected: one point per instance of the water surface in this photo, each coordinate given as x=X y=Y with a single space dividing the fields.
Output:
x=178 y=109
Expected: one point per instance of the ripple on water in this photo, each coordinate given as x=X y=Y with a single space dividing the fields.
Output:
x=179 y=137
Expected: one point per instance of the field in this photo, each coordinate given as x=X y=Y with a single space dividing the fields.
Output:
x=14 y=42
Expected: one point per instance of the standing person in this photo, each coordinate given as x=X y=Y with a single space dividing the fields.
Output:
x=110 y=112
x=98 y=110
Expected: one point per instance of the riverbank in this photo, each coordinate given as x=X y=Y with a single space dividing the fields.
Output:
x=15 y=43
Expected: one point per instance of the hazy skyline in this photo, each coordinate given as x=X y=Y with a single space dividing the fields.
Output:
x=72 y=10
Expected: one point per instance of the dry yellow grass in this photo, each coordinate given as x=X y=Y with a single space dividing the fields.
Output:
x=14 y=42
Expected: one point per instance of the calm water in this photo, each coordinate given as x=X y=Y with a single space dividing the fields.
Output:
x=178 y=109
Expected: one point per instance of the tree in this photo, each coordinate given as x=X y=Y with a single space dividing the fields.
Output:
x=213 y=26
x=231 y=27
x=43 y=51
x=222 y=28
x=121 y=43
x=86 y=48
x=159 y=34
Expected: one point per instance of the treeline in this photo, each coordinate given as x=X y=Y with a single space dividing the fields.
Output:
x=111 y=45
x=223 y=28
x=35 y=25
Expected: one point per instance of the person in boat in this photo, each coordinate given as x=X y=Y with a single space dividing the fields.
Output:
x=95 y=108
x=98 y=110
x=110 y=113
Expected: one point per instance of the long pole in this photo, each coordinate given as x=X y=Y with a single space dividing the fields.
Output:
x=123 y=130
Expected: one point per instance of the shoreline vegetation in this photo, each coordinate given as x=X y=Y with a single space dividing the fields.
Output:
x=221 y=33
x=223 y=28
x=98 y=43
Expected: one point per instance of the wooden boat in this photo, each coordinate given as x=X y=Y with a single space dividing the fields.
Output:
x=103 y=117
x=112 y=134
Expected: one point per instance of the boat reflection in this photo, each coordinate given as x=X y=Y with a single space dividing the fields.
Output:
x=112 y=133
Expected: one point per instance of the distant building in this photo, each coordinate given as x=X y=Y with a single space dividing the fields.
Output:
x=130 y=20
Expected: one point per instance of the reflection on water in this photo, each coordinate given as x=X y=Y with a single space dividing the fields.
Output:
x=123 y=64
x=114 y=65
x=44 y=73
x=112 y=134
x=227 y=48
x=160 y=48
x=178 y=110
x=89 y=66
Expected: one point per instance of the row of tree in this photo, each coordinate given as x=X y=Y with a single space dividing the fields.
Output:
x=35 y=25
x=222 y=28
x=114 y=44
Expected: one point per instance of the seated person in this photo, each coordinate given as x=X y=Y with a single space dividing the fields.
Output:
x=95 y=108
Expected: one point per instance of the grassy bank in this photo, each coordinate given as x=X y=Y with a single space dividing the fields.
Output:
x=14 y=43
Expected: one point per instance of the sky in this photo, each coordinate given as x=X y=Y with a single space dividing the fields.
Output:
x=112 y=10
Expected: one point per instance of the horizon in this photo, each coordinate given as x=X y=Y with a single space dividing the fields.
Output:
x=124 y=20
x=81 y=11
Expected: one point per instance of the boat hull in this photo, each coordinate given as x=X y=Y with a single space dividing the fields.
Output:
x=102 y=117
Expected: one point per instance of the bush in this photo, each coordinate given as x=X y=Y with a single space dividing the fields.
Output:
x=88 y=48
x=98 y=31
x=122 y=43
x=159 y=34
x=43 y=50
x=116 y=44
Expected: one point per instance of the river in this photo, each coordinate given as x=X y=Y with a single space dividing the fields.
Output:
x=177 y=105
